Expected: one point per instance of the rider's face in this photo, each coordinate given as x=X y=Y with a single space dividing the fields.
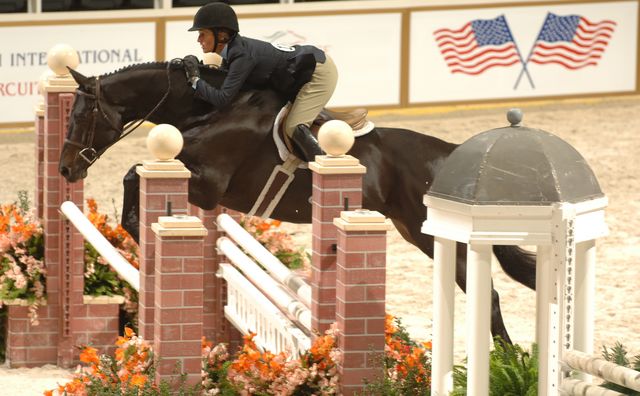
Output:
x=206 y=40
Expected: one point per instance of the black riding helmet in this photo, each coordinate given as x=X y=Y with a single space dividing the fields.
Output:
x=215 y=15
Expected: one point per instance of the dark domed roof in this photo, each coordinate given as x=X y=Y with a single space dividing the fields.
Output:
x=515 y=166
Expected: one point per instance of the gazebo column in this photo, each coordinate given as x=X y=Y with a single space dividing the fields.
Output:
x=479 y=318
x=584 y=310
x=444 y=271
x=585 y=296
x=546 y=317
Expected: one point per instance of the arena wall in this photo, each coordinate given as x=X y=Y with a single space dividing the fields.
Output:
x=389 y=54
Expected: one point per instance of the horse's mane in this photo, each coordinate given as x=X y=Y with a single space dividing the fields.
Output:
x=160 y=65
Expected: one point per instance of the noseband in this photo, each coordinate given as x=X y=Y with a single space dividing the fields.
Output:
x=87 y=152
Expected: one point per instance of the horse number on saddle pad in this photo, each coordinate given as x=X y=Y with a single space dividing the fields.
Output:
x=283 y=47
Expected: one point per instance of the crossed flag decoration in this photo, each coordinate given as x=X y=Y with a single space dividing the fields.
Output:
x=571 y=41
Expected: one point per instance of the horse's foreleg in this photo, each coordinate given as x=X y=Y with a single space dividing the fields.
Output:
x=498 y=328
x=131 y=203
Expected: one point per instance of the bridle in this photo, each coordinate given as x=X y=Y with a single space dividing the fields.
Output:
x=87 y=152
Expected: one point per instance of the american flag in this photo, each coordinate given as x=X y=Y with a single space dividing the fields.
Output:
x=571 y=41
x=478 y=46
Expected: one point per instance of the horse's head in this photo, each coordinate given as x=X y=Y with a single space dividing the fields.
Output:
x=95 y=124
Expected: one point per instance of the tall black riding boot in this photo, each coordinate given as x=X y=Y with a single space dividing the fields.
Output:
x=306 y=143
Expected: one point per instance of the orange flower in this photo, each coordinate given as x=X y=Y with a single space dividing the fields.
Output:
x=128 y=332
x=48 y=393
x=89 y=355
x=138 y=380
x=263 y=226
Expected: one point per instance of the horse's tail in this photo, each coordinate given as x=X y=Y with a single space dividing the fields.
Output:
x=518 y=263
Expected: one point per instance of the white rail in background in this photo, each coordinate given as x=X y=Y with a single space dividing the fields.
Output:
x=599 y=367
x=576 y=387
x=273 y=266
x=91 y=234
x=250 y=311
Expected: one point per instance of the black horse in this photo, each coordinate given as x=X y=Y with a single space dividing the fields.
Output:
x=231 y=153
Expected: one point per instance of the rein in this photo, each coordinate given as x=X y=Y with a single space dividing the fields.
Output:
x=87 y=152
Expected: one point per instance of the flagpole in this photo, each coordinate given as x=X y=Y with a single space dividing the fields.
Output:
x=524 y=68
x=524 y=64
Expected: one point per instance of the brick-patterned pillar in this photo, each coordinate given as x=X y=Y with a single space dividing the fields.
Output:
x=64 y=246
x=161 y=182
x=360 y=297
x=334 y=179
x=179 y=273
x=39 y=155
x=29 y=344
x=99 y=325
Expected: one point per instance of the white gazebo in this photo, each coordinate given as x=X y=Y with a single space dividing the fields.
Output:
x=515 y=186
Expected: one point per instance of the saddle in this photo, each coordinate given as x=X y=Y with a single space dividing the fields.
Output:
x=356 y=119
x=282 y=175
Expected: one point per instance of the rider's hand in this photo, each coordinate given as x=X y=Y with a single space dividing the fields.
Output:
x=191 y=68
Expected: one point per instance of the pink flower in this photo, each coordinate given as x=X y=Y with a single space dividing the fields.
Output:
x=5 y=243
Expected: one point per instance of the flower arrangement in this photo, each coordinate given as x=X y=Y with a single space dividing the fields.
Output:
x=128 y=372
x=131 y=371
x=251 y=371
x=407 y=363
x=22 y=269
x=276 y=240
x=99 y=278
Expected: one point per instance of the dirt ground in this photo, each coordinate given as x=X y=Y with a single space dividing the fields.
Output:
x=602 y=130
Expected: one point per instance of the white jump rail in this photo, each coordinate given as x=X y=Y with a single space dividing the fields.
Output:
x=273 y=266
x=276 y=292
x=101 y=244
x=576 y=387
x=599 y=367
x=250 y=311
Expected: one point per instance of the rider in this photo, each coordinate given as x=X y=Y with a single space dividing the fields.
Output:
x=303 y=73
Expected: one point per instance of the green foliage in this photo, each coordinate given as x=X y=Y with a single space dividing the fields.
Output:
x=293 y=259
x=101 y=280
x=512 y=372
x=23 y=201
x=618 y=354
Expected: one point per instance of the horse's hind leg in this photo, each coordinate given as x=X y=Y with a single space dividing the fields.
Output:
x=425 y=243
x=497 y=323
x=518 y=263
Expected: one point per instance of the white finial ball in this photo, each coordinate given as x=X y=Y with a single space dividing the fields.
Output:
x=60 y=56
x=44 y=77
x=164 y=142
x=335 y=137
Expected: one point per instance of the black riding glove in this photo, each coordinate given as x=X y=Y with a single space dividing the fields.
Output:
x=191 y=68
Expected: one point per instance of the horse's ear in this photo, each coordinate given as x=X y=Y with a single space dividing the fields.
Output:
x=82 y=81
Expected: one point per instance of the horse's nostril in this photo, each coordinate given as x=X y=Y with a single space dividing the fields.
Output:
x=64 y=171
